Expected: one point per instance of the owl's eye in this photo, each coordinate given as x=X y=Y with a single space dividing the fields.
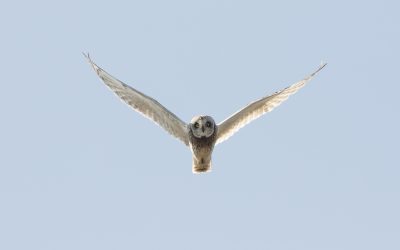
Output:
x=208 y=124
x=196 y=125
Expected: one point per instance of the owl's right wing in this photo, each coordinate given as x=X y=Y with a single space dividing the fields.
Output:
x=145 y=105
x=256 y=109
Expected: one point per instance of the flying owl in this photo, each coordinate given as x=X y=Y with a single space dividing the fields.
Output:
x=202 y=133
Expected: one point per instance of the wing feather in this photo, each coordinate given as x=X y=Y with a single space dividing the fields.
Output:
x=144 y=104
x=256 y=109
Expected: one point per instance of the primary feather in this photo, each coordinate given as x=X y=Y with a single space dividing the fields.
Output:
x=144 y=104
x=256 y=109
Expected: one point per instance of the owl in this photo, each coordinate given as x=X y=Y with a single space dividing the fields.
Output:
x=202 y=133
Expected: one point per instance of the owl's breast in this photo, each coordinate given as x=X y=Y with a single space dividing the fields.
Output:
x=204 y=145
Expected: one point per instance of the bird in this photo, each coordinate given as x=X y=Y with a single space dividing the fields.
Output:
x=202 y=133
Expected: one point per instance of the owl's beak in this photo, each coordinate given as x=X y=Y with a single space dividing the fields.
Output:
x=202 y=128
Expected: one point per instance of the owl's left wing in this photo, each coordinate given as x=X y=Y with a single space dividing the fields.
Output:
x=144 y=104
x=256 y=109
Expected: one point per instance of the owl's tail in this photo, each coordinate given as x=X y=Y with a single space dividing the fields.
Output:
x=201 y=166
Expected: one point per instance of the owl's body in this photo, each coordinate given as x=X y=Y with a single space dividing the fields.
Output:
x=201 y=142
x=202 y=133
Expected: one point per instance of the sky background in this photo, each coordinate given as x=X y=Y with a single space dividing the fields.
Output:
x=81 y=170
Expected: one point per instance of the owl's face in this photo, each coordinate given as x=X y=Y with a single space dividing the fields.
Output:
x=202 y=126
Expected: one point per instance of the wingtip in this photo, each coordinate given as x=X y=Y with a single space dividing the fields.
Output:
x=94 y=66
x=322 y=65
x=87 y=56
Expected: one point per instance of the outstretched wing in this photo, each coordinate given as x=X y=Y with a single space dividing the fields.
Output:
x=256 y=109
x=143 y=104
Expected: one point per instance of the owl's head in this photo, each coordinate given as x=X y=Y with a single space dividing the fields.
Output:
x=202 y=126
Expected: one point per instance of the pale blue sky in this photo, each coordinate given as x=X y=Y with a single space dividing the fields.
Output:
x=80 y=170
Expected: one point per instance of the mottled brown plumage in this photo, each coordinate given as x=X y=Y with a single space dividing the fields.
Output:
x=202 y=149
